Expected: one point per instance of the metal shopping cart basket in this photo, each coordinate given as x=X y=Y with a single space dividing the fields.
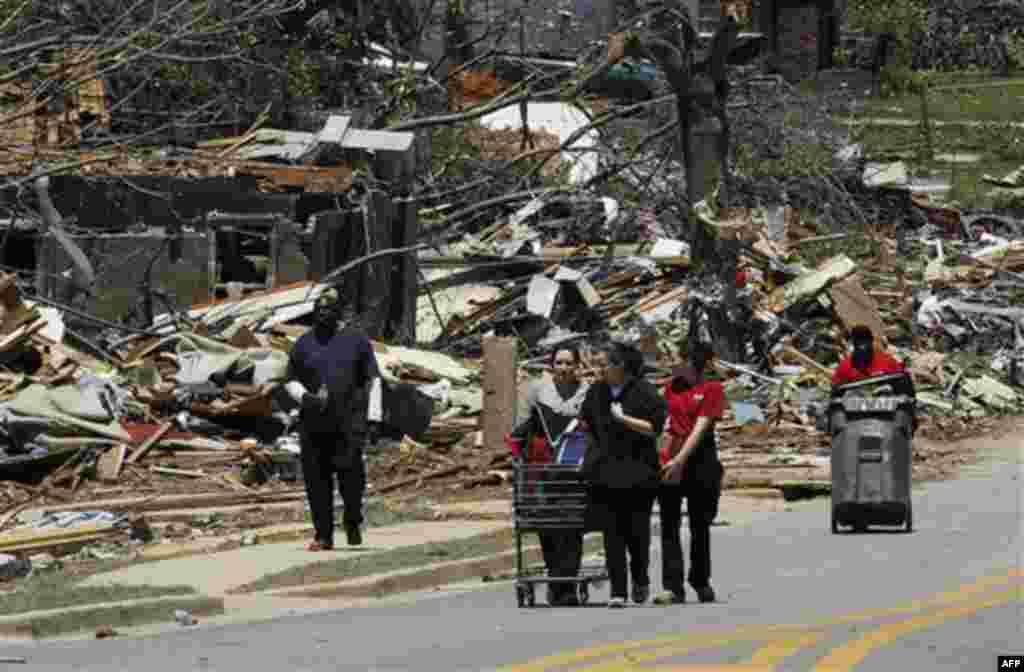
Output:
x=549 y=497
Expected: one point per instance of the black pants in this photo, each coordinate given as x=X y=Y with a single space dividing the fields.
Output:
x=563 y=553
x=625 y=518
x=701 y=509
x=320 y=466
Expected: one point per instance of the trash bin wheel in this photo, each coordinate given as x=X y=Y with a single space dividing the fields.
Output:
x=531 y=596
x=835 y=521
x=584 y=593
x=910 y=517
x=522 y=591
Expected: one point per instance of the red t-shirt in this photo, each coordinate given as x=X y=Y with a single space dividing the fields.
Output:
x=704 y=400
x=881 y=364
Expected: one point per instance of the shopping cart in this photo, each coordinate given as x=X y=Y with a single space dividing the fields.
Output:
x=549 y=497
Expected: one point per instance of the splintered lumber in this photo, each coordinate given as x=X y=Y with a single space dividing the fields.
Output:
x=148 y=444
x=74 y=441
x=649 y=302
x=31 y=539
x=11 y=513
x=21 y=333
x=61 y=472
x=796 y=354
x=198 y=501
x=178 y=472
x=397 y=485
x=111 y=462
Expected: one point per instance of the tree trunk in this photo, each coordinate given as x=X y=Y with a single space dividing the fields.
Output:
x=457 y=48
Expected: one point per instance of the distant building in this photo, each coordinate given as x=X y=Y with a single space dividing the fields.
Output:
x=800 y=35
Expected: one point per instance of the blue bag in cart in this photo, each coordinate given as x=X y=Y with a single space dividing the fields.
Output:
x=572 y=446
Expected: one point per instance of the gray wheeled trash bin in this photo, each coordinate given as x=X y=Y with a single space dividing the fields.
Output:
x=871 y=461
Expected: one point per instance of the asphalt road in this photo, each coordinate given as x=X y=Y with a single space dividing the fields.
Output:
x=794 y=597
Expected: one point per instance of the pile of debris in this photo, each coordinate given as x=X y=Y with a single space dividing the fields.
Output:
x=192 y=409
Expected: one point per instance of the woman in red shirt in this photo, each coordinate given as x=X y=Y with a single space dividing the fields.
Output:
x=690 y=469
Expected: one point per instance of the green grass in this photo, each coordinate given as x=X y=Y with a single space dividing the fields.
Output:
x=995 y=102
x=56 y=591
x=999 y=144
x=355 y=566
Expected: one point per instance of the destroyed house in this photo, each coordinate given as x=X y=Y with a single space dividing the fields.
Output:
x=263 y=209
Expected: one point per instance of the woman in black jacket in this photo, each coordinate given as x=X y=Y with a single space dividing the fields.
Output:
x=624 y=415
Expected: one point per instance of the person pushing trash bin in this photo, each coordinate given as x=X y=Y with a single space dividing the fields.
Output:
x=554 y=404
x=333 y=376
x=865 y=361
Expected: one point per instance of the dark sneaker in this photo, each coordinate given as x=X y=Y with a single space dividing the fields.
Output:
x=670 y=597
x=641 y=593
x=705 y=594
x=354 y=535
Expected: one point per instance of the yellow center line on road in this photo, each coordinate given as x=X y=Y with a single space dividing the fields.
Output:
x=709 y=668
x=847 y=656
x=964 y=593
x=676 y=642
x=631 y=660
x=627 y=648
x=774 y=653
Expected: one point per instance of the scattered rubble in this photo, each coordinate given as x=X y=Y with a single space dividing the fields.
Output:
x=114 y=438
x=191 y=413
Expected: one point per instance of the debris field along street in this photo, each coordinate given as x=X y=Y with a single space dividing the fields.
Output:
x=485 y=183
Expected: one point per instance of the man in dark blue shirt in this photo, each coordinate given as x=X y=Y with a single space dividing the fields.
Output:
x=333 y=376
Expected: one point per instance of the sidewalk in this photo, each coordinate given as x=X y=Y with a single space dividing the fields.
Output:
x=216 y=574
x=281 y=548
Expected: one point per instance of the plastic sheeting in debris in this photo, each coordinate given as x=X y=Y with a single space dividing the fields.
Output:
x=263 y=310
x=440 y=365
x=37 y=401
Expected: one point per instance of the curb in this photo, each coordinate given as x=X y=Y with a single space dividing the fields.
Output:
x=41 y=624
x=410 y=580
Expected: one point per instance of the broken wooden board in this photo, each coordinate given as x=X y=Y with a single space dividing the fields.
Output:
x=109 y=466
x=500 y=390
x=21 y=333
x=33 y=539
x=148 y=444
x=809 y=285
x=313 y=179
x=854 y=306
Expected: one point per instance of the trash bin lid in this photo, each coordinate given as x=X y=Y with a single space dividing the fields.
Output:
x=872 y=404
